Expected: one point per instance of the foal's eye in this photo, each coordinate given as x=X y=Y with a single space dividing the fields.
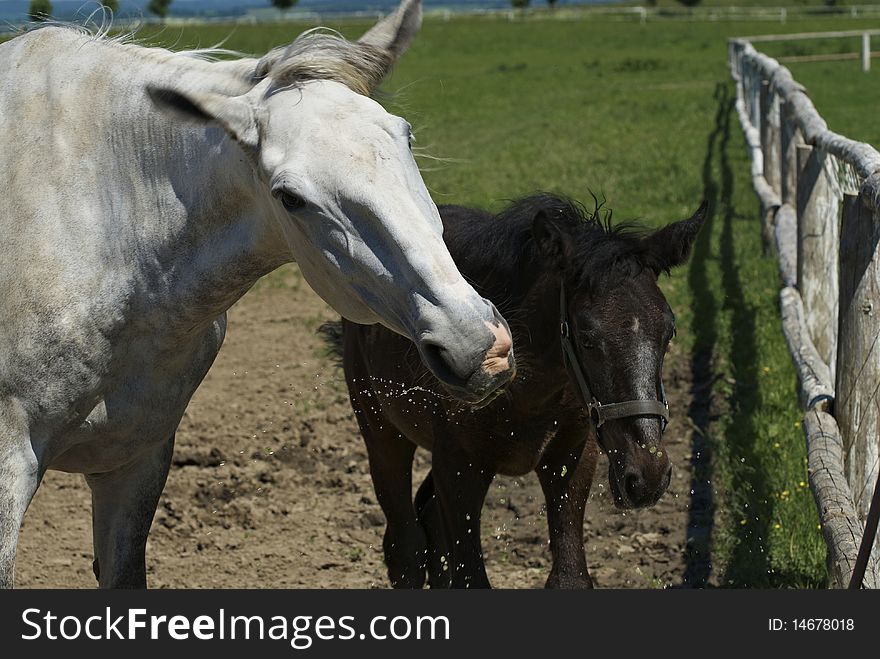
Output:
x=291 y=202
x=588 y=342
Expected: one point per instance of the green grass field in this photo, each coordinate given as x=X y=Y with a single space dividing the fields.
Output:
x=641 y=115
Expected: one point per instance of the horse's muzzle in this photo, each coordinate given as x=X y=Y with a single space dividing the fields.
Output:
x=638 y=483
x=487 y=372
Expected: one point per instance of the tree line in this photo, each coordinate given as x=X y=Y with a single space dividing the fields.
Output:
x=41 y=10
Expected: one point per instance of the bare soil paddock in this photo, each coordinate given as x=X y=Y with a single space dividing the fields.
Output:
x=270 y=486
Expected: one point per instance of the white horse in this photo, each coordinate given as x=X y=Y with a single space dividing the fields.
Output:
x=143 y=192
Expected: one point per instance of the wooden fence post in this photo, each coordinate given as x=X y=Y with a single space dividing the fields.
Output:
x=866 y=52
x=755 y=95
x=840 y=524
x=857 y=402
x=770 y=146
x=818 y=243
x=790 y=138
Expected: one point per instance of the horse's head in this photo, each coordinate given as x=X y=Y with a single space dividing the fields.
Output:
x=620 y=326
x=336 y=174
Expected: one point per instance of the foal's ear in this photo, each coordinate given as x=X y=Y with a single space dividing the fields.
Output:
x=552 y=236
x=233 y=113
x=671 y=246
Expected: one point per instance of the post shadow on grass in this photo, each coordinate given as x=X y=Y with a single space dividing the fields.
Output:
x=750 y=493
x=749 y=560
x=701 y=508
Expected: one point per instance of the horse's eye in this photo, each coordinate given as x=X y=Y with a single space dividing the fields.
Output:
x=588 y=342
x=291 y=202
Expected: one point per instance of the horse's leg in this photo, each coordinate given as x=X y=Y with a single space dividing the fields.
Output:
x=461 y=487
x=19 y=479
x=123 y=504
x=431 y=520
x=566 y=473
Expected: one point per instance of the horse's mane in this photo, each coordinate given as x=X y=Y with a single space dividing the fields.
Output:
x=316 y=54
x=500 y=252
x=93 y=30
x=321 y=55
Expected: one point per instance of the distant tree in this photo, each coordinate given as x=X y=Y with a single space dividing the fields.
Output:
x=519 y=4
x=689 y=3
x=159 y=7
x=112 y=5
x=284 y=5
x=40 y=10
x=552 y=3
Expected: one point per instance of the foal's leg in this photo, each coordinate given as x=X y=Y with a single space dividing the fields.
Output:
x=566 y=473
x=405 y=546
x=431 y=520
x=123 y=504
x=391 y=457
x=19 y=479
x=461 y=487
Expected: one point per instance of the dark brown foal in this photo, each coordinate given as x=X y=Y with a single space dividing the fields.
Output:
x=547 y=266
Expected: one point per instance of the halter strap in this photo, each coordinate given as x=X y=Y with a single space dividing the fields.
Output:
x=608 y=411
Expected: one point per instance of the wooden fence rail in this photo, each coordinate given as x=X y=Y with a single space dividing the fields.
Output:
x=820 y=207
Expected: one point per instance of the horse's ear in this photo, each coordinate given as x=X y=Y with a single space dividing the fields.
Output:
x=233 y=113
x=671 y=246
x=552 y=236
x=395 y=32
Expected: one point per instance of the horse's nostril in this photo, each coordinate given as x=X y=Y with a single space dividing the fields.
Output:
x=437 y=358
x=433 y=351
x=635 y=486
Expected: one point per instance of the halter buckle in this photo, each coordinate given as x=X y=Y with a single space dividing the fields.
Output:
x=596 y=406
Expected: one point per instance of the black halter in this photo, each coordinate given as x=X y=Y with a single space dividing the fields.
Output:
x=608 y=411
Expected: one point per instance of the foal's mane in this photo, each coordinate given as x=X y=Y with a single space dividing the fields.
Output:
x=602 y=254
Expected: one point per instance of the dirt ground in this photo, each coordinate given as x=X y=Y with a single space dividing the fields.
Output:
x=270 y=486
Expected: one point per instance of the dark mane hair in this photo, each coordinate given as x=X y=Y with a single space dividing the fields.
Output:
x=500 y=255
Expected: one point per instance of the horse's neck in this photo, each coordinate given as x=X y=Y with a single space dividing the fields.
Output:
x=204 y=228
x=224 y=235
x=163 y=217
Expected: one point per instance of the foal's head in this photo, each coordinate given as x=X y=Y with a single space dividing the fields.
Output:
x=620 y=326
